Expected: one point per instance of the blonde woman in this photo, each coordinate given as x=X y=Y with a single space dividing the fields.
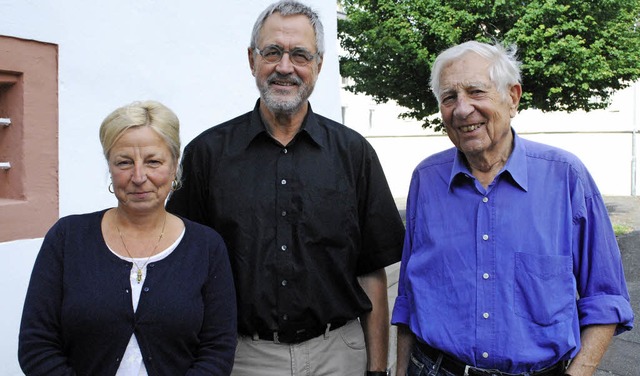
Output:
x=131 y=290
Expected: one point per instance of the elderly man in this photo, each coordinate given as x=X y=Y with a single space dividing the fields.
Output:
x=510 y=264
x=305 y=210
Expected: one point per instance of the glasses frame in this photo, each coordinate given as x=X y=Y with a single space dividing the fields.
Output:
x=312 y=57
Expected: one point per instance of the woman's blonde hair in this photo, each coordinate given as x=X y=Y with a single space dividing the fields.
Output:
x=139 y=114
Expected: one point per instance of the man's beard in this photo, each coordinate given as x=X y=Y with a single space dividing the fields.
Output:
x=276 y=103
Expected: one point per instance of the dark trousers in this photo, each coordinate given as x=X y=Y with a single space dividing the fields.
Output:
x=422 y=365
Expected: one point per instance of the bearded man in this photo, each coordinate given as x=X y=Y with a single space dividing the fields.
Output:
x=306 y=213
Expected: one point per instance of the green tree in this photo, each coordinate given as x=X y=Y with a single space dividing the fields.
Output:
x=575 y=53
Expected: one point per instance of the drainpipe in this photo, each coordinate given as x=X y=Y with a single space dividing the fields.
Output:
x=633 y=139
x=635 y=127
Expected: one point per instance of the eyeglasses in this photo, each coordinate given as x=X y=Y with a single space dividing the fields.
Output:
x=298 y=56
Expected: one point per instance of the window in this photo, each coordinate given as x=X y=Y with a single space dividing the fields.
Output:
x=28 y=138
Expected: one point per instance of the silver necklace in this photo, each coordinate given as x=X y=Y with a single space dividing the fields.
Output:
x=139 y=273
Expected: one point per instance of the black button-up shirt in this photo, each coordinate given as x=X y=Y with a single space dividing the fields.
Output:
x=300 y=221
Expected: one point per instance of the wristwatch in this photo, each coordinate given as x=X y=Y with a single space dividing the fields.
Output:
x=378 y=373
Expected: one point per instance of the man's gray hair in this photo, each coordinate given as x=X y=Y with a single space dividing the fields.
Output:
x=504 y=69
x=290 y=8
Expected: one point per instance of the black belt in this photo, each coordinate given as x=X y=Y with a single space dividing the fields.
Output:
x=458 y=368
x=297 y=335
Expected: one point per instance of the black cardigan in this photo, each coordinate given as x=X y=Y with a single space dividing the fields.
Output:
x=78 y=316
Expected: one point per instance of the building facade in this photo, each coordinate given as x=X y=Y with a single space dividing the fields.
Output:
x=191 y=56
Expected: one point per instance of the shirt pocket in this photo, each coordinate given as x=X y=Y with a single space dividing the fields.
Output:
x=329 y=216
x=544 y=288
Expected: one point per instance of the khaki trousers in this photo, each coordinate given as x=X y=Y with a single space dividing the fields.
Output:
x=340 y=352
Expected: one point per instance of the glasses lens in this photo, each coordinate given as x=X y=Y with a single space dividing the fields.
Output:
x=300 y=56
x=272 y=54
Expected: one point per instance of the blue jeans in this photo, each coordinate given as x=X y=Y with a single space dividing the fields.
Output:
x=421 y=365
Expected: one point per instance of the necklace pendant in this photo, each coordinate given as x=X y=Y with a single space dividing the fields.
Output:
x=139 y=278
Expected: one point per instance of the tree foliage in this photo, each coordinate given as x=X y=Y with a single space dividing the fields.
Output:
x=575 y=53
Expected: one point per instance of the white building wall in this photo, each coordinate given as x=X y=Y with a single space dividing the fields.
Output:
x=602 y=139
x=189 y=55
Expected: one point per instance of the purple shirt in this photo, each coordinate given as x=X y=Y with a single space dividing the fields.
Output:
x=505 y=277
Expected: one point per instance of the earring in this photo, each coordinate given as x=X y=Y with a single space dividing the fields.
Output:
x=110 y=188
x=175 y=184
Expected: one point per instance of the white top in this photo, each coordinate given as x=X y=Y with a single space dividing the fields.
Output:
x=132 y=364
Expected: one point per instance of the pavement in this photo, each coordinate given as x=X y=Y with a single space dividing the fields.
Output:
x=623 y=355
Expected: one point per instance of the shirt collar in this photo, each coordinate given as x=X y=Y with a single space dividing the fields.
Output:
x=516 y=165
x=310 y=127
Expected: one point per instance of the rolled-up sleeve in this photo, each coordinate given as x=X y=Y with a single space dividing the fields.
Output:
x=603 y=295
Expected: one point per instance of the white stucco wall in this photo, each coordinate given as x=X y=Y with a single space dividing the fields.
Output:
x=189 y=55
x=602 y=139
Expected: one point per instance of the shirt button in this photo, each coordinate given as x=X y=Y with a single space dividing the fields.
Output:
x=485 y=237
x=285 y=317
x=284 y=282
x=283 y=181
x=485 y=355
x=485 y=276
x=126 y=290
x=146 y=289
x=285 y=151
x=485 y=315
x=284 y=213
x=283 y=247
x=485 y=199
